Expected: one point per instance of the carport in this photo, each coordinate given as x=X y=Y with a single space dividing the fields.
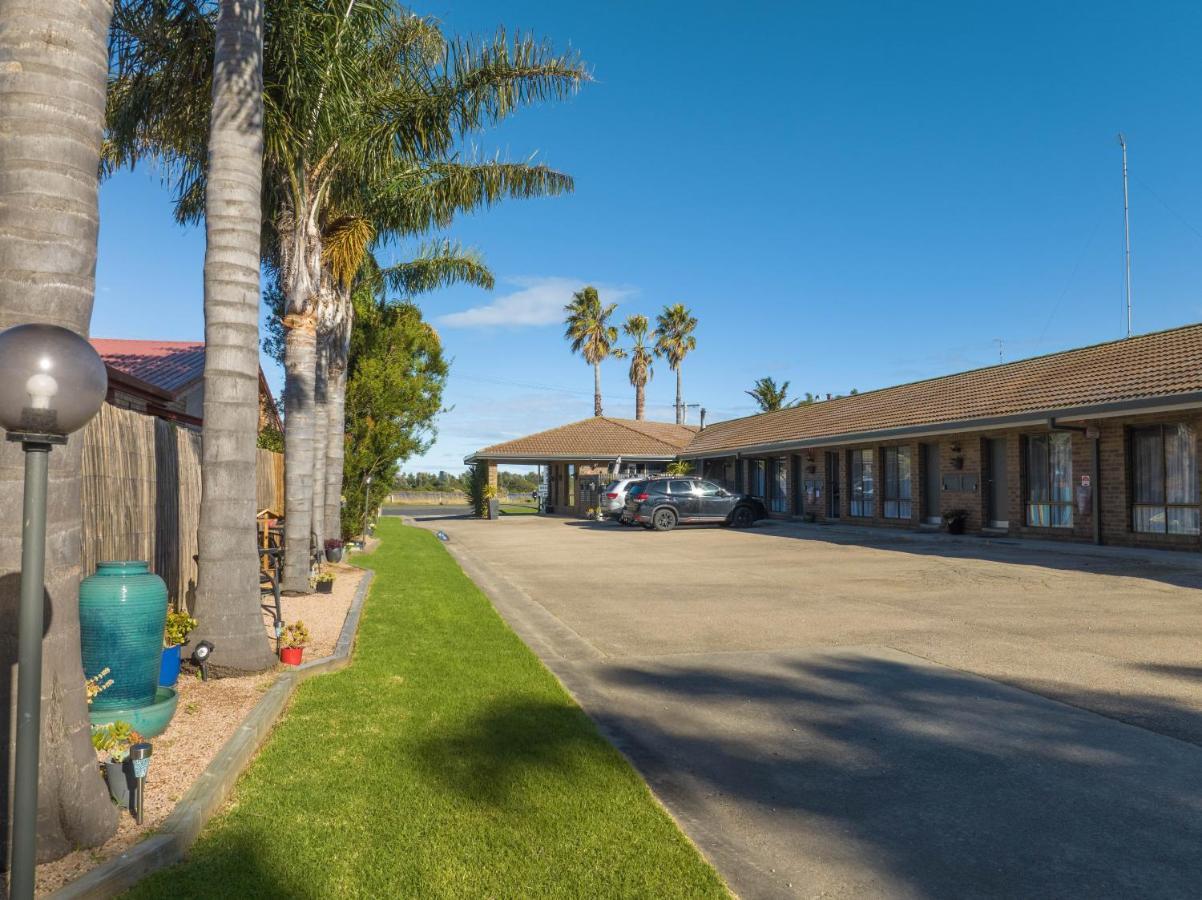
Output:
x=575 y=460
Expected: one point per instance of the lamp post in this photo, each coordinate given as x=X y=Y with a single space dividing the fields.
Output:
x=366 y=500
x=51 y=383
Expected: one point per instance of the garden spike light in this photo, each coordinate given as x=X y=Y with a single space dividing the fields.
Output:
x=200 y=658
x=52 y=382
x=139 y=760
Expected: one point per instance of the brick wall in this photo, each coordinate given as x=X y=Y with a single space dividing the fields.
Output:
x=966 y=457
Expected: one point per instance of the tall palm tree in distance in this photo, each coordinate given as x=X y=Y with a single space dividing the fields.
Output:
x=674 y=341
x=635 y=328
x=53 y=65
x=591 y=335
x=229 y=613
x=768 y=396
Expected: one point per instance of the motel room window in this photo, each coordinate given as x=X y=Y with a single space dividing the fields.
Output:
x=863 y=483
x=1050 y=480
x=898 y=484
x=779 y=500
x=757 y=476
x=1164 y=477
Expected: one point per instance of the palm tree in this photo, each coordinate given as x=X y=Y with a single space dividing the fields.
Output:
x=768 y=396
x=635 y=327
x=229 y=613
x=674 y=341
x=591 y=335
x=51 y=119
x=376 y=88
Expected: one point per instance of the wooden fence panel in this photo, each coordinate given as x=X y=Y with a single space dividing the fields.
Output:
x=141 y=494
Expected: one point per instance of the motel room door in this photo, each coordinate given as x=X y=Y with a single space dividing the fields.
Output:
x=832 y=484
x=932 y=485
x=998 y=497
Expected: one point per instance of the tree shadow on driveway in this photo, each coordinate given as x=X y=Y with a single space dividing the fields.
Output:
x=880 y=776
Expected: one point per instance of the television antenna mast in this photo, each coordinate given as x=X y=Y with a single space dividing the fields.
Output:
x=1126 y=230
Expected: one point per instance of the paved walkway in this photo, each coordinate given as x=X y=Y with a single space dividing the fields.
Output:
x=867 y=715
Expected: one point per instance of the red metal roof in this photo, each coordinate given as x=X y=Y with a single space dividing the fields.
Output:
x=170 y=365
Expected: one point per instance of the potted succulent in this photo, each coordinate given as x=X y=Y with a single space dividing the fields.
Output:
x=112 y=742
x=334 y=550
x=325 y=583
x=175 y=635
x=293 y=640
x=954 y=520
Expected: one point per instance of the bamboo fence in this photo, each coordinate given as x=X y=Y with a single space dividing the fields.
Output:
x=141 y=494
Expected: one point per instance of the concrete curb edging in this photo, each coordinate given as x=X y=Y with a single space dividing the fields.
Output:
x=170 y=843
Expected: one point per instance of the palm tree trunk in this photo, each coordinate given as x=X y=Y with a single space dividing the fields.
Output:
x=300 y=369
x=335 y=450
x=340 y=352
x=679 y=402
x=596 y=389
x=53 y=69
x=227 y=596
x=321 y=437
x=639 y=401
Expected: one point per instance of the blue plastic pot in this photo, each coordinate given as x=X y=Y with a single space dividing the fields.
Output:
x=122 y=611
x=169 y=666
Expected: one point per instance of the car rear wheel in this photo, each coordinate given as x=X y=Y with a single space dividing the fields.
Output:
x=742 y=517
x=663 y=520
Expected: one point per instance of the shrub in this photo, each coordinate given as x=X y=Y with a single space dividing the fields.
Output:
x=294 y=635
x=179 y=625
x=325 y=577
x=115 y=739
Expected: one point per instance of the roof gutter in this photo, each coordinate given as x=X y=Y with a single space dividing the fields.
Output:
x=573 y=457
x=1043 y=418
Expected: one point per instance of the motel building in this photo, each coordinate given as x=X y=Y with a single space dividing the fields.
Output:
x=1096 y=444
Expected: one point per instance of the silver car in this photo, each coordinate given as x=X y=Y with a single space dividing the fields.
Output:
x=612 y=498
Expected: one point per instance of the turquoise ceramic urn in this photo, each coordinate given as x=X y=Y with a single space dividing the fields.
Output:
x=122 y=611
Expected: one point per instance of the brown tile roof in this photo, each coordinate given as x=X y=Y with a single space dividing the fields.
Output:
x=598 y=438
x=1159 y=365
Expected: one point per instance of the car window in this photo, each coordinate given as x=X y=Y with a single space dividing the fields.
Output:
x=656 y=487
x=611 y=486
x=680 y=487
x=708 y=489
x=635 y=487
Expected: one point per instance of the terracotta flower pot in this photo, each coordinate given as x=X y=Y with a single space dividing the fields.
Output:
x=291 y=656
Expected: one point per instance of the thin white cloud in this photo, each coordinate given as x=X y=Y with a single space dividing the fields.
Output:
x=538 y=301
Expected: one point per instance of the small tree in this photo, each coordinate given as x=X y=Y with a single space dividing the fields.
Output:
x=477 y=489
x=680 y=467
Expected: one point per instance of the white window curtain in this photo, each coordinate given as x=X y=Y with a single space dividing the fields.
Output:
x=1050 y=480
x=863 y=484
x=780 y=484
x=898 y=483
x=1164 y=474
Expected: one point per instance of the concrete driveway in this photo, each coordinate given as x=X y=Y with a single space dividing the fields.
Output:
x=858 y=714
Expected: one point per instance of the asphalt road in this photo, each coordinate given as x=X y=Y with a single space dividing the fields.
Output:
x=862 y=715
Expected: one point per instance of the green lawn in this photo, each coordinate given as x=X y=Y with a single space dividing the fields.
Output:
x=445 y=762
x=518 y=509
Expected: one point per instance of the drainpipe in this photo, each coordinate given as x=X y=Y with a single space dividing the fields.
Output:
x=1095 y=497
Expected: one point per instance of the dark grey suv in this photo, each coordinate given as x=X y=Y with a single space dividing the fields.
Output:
x=664 y=503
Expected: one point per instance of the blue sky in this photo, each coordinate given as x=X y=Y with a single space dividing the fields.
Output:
x=846 y=194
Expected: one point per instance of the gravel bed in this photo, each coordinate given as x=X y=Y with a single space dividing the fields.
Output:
x=209 y=712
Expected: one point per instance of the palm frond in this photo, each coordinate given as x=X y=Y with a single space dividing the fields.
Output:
x=440 y=264
x=344 y=246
